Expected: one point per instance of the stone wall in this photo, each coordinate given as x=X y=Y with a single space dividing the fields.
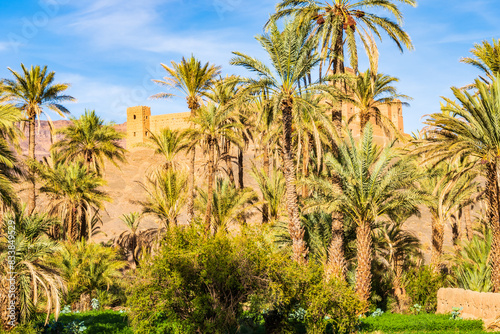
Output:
x=476 y=305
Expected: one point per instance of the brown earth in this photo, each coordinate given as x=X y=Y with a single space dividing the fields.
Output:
x=124 y=186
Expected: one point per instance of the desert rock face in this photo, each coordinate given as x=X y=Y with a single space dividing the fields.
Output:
x=125 y=190
x=475 y=305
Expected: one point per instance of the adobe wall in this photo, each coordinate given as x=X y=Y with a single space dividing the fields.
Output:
x=477 y=305
x=140 y=122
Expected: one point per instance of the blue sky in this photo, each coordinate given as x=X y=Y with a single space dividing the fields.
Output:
x=109 y=50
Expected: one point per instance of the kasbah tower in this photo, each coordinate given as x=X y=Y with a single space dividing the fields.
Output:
x=140 y=122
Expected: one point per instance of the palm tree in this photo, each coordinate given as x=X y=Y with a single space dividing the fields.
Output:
x=339 y=21
x=292 y=58
x=166 y=195
x=486 y=57
x=272 y=187
x=129 y=239
x=168 y=143
x=35 y=275
x=449 y=189
x=229 y=204
x=374 y=183
x=192 y=79
x=367 y=93
x=74 y=195
x=467 y=129
x=395 y=248
x=88 y=267
x=31 y=91
x=91 y=140
x=212 y=125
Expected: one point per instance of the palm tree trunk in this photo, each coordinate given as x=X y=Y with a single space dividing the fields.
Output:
x=468 y=223
x=240 y=168
x=295 y=228
x=265 y=207
x=305 y=165
x=364 y=118
x=363 y=271
x=493 y=192
x=336 y=264
x=227 y=159
x=31 y=154
x=399 y=289
x=437 y=243
x=210 y=190
x=190 y=200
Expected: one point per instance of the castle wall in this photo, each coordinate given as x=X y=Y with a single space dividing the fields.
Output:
x=140 y=123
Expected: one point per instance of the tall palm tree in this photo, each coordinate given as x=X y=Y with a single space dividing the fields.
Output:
x=338 y=22
x=374 y=183
x=212 y=125
x=32 y=91
x=35 y=275
x=192 y=79
x=486 y=57
x=467 y=129
x=168 y=143
x=229 y=204
x=74 y=195
x=292 y=58
x=166 y=195
x=90 y=140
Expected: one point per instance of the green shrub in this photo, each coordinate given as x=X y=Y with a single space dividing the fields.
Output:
x=422 y=285
x=194 y=284
x=422 y=322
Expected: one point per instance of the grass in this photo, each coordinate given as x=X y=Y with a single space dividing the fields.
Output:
x=422 y=323
x=97 y=322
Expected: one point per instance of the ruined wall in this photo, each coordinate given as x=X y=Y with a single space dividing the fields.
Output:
x=178 y=121
x=476 y=305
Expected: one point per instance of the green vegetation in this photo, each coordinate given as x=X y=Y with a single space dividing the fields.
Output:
x=315 y=243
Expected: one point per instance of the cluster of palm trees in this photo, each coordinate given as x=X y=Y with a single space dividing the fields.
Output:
x=322 y=192
x=66 y=186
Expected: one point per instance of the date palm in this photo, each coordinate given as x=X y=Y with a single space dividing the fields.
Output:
x=367 y=93
x=485 y=57
x=229 y=204
x=166 y=195
x=272 y=187
x=373 y=183
x=36 y=276
x=129 y=239
x=449 y=189
x=467 y=129
x=192 y=79
x=168 y=143
x=74 y=195
x=292 y=58
x=339 y=22
x=91 y=140
x=213 y=125
x=31 y=91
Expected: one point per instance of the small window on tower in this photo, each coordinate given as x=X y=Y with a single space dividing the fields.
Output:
x=134 y=134
x=146 y=133
x=399 y=111
x=146 y=117
x=135 y=116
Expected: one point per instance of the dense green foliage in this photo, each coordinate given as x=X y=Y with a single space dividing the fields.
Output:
x=422 y=285
x=197 y=284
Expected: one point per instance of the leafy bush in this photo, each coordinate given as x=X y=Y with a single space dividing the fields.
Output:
x=422 y=285
x=221 y=283
x=422 y=322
